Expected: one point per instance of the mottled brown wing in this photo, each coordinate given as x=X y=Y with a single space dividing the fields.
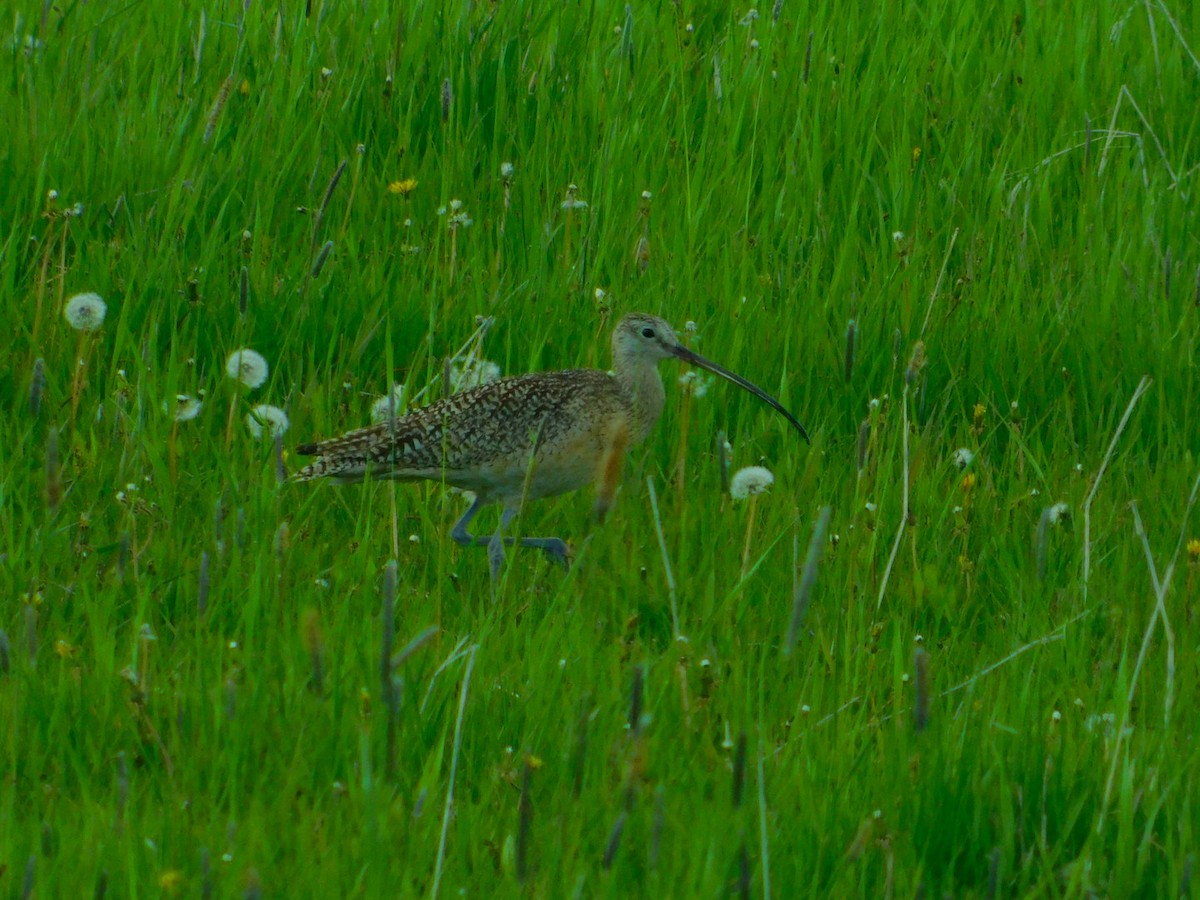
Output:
x=502 y=419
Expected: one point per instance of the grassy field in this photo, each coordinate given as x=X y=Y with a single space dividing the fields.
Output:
x=929 y=228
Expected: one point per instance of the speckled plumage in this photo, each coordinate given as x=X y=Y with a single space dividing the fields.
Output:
x=525 y=437
x=482 y=439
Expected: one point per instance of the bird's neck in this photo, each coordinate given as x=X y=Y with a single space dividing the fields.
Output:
x=644 y=386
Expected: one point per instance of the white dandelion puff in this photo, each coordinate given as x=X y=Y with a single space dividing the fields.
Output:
x=388 y=407
x=963 y=457
x=506 y=170
x=897 y=236
x=268 y=420
x=247 y=366
x=186 y=408
x=572 y=200
x=473 y=374
x=1057 y=512
x=694 y=383
x=750 y=481
x=85 y=312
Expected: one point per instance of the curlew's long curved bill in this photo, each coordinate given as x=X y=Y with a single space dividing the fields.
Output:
x=697 y=360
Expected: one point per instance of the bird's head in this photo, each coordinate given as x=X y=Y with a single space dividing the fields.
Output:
x=641 y=339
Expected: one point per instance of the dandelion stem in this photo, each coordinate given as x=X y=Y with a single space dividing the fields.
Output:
x=749 y=533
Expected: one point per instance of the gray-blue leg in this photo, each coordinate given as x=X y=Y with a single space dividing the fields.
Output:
x=553 y=547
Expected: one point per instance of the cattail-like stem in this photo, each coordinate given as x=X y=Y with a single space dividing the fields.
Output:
x=524 y=823
x=739 y=770
x=581 y=747
x=202 y=587
x=802 y=592
x=389 y=690
x=314 y=646
x=851 y=336
x=37 y=386
x=31 y=634
x=921 y=689
x=614 y=842
x=53 y=475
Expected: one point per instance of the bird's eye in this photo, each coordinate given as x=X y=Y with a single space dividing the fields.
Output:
x=647 y=332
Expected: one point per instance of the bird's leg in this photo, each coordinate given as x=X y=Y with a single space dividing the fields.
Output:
x=459 y=532
x=553 y=547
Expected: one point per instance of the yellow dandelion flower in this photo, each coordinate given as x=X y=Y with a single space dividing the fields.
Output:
x=535 y=762
x=403 y=187
x=170 y=880
x=244 y=87
x=968 y=481
x=64 y=650
x=1193 y=548
x=978 y=412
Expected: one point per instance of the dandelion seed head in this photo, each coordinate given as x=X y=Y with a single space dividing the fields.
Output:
x=754 y=43
x=1058 y=511
x=267 y=420
x=897 y=236
x=963 y=457
x=694 y=383
x=186 y=408
x=388 y=407
x=455 y=205
x=247 y=366
x=85 y=312
x=646 y=195
x=506 y=170
x=473 y=374
x=750 y=481
x=52 y=195
x=749 y=18
x=572 y=201
x=326 y=72
x=689 y=28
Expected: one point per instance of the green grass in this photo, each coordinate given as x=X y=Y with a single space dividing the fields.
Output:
x=927 y=173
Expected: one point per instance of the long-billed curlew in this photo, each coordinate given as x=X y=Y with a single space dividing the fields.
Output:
x=526 y=437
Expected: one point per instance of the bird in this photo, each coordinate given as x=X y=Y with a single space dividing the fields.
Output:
x=526 y=437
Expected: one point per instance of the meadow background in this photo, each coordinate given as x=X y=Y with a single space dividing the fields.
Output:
x=989 y=694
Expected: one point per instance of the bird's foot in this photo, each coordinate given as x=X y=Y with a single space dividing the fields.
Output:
x=555 y=548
